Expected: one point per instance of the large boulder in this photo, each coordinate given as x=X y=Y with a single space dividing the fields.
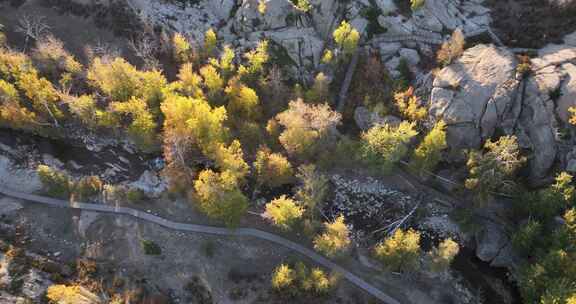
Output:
x=481 y=94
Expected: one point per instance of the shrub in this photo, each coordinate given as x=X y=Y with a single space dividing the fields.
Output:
x=63 y=294
x=150 y=248
x=417 y=4
x=320 y=90
x=135 y=195
x=400 y=252
x=409 y=105
x=88 y=187
x=56 y=183
x=53 y=60
x=443 y=255
x=303 y=5
x=283 y=277
x=327 y=57
x=429 y=153
x=452 y=48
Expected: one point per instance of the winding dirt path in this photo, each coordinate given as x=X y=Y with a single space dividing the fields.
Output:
x=352 y=278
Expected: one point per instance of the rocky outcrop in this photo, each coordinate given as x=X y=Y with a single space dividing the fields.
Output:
x=482 y=94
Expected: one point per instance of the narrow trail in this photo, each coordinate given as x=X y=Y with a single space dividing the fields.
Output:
x=250 y=232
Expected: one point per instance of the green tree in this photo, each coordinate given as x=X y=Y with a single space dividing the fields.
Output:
x=226 y=63
x=312 y=190
x=399 y=252
x=116 y=78
x=212 y=80
x=189 y=83
x=190 y=125
x=12 y=113
x=429 y=153
x=243 y=102
x=231 y=159
x=256 y=58
x=272 y=169
x=42 y=94
x=384 y=145
x=183 y=51
x=210 y=42
x=494 y=169
x=335 y=240
x=346 y=37
x=283 y=212
x=527 y=237
x=320 y=90
x=219 y=196
x=84 y=109
x=443 y=255
x=142 y=128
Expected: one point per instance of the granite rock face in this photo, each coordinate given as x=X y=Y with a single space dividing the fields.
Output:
x=481 y=94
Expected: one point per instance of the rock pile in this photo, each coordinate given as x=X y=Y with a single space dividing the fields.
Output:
x=368 y=203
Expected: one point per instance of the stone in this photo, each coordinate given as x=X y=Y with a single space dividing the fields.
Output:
x=388 y=50
x=571 y=166
x=9 y=205
x=396 y=25
x=278 y=14
x=23 y=180
x=150 y=183
x=570 y=39
x=489 y=242
x=386 y=6
x=365 y=119
x=567 y=92
x=410 y=55
x=393 y=63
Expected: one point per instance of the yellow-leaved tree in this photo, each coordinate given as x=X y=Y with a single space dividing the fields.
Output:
x=335 y=240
